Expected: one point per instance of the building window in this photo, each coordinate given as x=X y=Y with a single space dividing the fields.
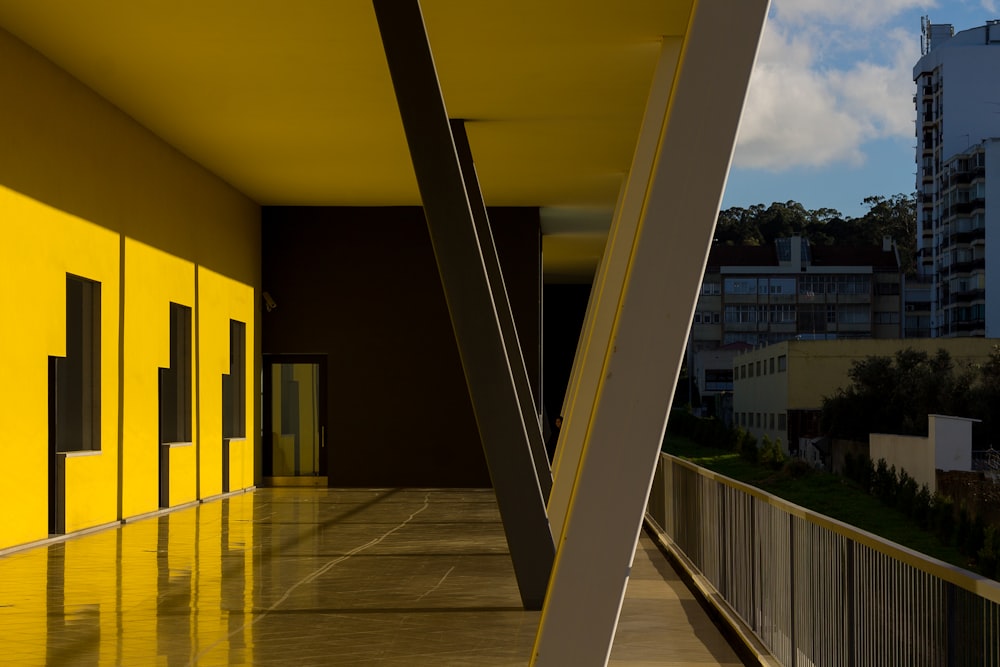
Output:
x=697 y=318
x=175 y=381
x=745 y=313
x=782 y=363
x=740 y=285
x=782 y=286
x=887 y=288
x=887 y=317
x=75 y=379
x=854 y=314
x=234 y=394
x=771 y=422
x=854 y=284
x=782 y=421
x=772 y=365
x=783 y=313
x=758 y=420
x=758 y=368
x=716 y=317
x=710 y=289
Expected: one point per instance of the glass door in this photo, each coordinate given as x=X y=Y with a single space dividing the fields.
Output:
x=295 y=420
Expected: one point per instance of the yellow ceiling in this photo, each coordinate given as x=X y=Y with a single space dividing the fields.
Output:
x=291 y=102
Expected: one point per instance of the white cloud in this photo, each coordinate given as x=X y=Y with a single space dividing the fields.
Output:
x=813 y=102
x=991 y=6
x=863 y=14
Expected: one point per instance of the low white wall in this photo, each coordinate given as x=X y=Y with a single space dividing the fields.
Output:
x=952 y=438
x=913 y=454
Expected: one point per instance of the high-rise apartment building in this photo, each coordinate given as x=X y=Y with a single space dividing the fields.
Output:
x=958 y=177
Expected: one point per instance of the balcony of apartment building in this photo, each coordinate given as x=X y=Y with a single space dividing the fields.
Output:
x=745 y=326
x=966 y=207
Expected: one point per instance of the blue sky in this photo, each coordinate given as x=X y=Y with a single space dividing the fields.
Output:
x=829 y=115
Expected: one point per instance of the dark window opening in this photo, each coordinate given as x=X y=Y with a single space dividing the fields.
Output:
x=234 y=395
x=176 y=381
x=75 y=379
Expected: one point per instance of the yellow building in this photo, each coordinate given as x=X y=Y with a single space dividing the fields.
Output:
x=779 y=389
x=247 y=244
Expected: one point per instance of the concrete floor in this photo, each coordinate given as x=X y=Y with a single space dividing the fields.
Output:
x=314 y=577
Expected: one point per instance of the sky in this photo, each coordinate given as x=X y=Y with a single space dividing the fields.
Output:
x=829 y=116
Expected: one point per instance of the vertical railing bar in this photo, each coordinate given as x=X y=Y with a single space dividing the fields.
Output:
x=849 y=598
x=791 y=588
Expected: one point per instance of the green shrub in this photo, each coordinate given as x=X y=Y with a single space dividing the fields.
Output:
x=778 y=458
x=765 y=456
x=976 y=537
x=866 y=474
x=748 y=450
x=988 y=556
x=906 y=494
x=943 y=518
x=796 y=468
x=884 y=483
x=851 y=467
x=962 y=530
x=770 y=453
x=922 y=507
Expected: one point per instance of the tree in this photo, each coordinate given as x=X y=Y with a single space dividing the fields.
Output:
x=893 y=216
x=895 y=395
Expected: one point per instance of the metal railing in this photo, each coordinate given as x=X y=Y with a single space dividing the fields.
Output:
x=816 y=591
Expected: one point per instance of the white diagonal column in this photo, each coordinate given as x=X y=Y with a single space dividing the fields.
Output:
x=651 y=311
x=599 y=321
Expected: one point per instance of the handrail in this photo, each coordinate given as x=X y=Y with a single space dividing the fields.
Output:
x=815 y=590
x=970 y=581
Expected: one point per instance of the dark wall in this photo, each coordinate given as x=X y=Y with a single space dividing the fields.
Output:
x=361 y=286
x=565 y=307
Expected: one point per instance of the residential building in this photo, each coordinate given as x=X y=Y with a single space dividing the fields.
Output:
x=713 y=376
x=917 y=306
x=778 y=390
x=793 y=290
x=958 y=177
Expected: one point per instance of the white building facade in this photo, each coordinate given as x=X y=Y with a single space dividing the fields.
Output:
x=958 y=177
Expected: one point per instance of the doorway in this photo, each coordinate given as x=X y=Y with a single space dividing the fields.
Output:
x=294 y=420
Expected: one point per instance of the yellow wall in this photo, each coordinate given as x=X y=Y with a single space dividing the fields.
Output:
x=153 y=279
x=80 y=181
x=220 y=300
x=819 y=368
x=40 y=246
x=765 y=393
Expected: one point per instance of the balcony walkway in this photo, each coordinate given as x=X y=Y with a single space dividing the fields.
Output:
x=314 y=577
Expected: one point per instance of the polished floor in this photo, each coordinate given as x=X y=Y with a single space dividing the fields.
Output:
x=314 y=577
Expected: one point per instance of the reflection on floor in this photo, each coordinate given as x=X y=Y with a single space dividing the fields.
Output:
x=314 y=577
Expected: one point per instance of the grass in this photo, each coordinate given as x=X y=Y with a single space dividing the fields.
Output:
x=822 y=492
